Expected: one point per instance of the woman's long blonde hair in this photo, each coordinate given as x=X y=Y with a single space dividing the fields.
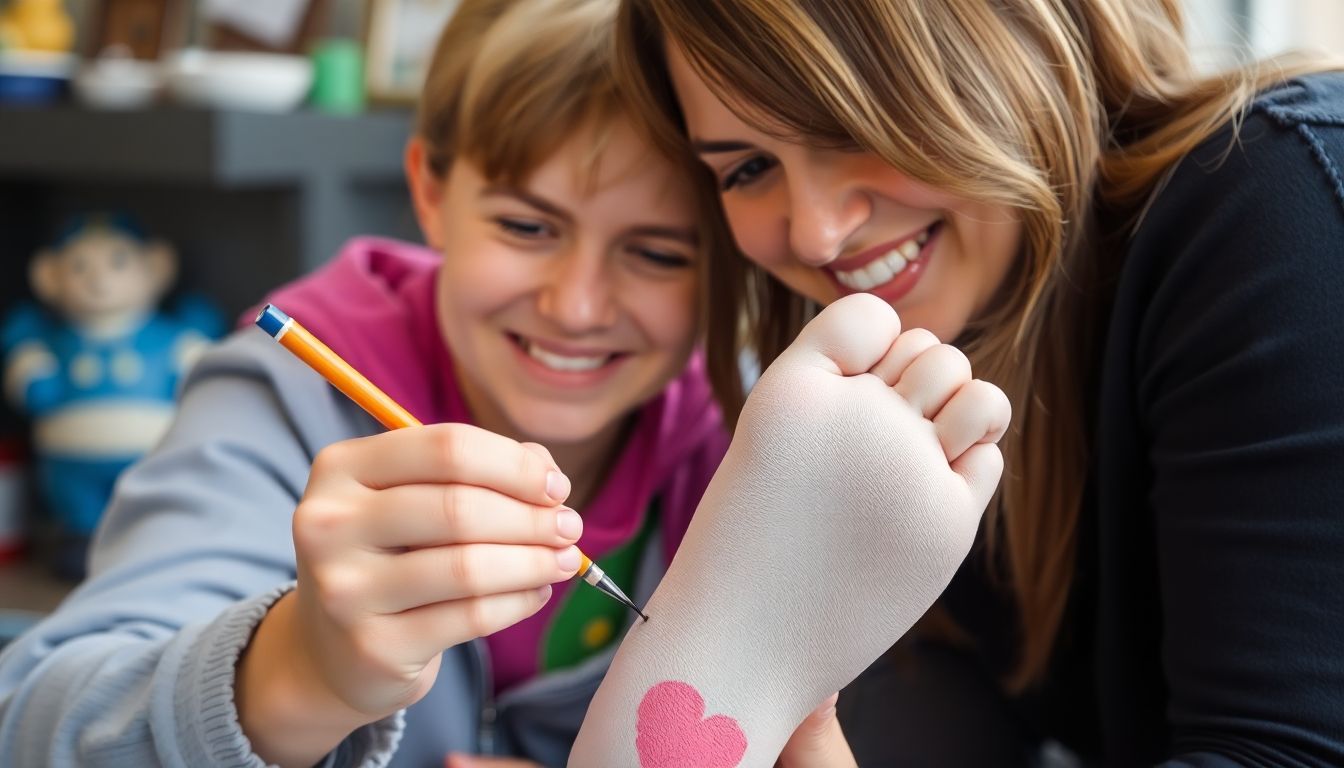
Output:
x=1060 y=109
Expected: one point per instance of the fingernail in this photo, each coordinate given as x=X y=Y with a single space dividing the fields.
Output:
x=569 y=524
x=568 y=559
x=557 y=485
x=544 y=592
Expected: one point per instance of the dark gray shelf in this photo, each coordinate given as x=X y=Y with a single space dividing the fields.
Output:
x=231 y=149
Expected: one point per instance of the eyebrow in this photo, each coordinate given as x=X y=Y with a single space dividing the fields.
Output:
x=541 y=204
x=712 y=147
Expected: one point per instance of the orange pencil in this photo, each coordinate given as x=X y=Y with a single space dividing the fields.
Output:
x=343 y=376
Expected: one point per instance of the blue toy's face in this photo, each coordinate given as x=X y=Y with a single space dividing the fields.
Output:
x=104 y=272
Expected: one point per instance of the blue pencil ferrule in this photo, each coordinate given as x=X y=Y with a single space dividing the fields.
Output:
x=272 y=320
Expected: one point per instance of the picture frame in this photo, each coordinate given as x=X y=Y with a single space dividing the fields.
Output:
x=399 y=41
x=142 y=29
x=312 y=20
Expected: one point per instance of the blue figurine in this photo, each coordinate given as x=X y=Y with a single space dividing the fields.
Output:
x=96 y=370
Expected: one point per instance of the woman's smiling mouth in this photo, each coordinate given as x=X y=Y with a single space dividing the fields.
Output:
x=887 y=263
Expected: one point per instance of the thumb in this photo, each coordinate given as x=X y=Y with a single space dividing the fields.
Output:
x=818 y=741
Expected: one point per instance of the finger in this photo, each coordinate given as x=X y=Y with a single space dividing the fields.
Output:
x=560 y=492
x=825 y=710
x=904 y=350
x=978 y=413
x=432 y=628
x=447 y=453
x=540 y=450
x=933 y=377
x=849 y=336
x=980 y=466
x=424 y=515
x=818 y=741
x=423 y=577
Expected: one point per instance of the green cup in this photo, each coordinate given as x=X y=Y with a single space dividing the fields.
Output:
x=338 y=77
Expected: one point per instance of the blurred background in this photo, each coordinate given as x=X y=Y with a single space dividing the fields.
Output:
x=206 y=151
x=1223 y=32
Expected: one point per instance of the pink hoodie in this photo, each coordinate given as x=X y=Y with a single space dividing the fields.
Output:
x=374 y=305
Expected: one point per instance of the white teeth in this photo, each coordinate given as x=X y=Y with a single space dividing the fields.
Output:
x=881 y=270
x=563 y=362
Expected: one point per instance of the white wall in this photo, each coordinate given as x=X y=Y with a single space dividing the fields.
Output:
x=1278 y=25
x=1222 y=32
x=1216 y=30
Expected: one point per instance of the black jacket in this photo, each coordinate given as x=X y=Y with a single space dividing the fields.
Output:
x=1206 y=622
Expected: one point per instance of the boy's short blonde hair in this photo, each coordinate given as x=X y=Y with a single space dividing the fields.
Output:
x=511 y=80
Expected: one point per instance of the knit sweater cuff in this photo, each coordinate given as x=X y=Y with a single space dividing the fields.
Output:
x=208 y=713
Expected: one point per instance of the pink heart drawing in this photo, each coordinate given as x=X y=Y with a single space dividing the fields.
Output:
x=673 y=732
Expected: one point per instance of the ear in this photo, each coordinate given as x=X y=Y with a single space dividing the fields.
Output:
x=161 y=260
x=44 y=277
x=427 y=190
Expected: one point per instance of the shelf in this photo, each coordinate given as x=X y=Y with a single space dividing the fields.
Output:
x=251 y=199
x=231 y=149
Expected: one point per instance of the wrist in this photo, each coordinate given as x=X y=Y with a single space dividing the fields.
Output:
x=287 y=713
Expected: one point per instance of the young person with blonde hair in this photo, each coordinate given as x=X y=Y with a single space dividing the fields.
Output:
x=1147 y=260
x=283 y=582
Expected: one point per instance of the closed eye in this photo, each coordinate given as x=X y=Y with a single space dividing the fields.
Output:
x=529 y=230
x=664 y=259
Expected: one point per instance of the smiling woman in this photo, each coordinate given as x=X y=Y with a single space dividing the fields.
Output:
x=829 y=221
x=1096 y=215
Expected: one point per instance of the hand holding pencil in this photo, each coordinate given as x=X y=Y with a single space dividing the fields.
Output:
x=409 y=542
x=355 y=386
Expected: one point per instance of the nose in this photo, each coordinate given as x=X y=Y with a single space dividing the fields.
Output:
x=96 y=277
x=578 y=294
x=826 y=207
